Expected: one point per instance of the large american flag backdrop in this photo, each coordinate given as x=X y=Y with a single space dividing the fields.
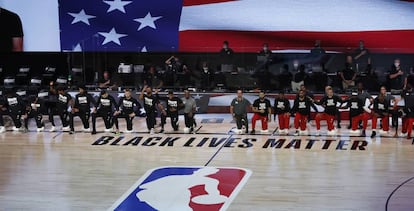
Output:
x=202 y=25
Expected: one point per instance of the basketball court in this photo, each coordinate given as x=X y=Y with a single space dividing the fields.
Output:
x=59 y=171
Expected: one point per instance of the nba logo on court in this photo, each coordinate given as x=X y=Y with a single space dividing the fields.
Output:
x=184 y=189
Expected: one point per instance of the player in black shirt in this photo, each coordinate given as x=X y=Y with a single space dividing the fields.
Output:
x=356 y=111
x=126 y=110
x=11 y=33
x=104 y=108
x=174 y=104
x=262 y=111
x=34 y=110
x=381 y=110
x=14 y=107
x=329 y=102
x=60 y=107
x=81 y=108
x=301 y=110
x=150 y=105
x=282 y=110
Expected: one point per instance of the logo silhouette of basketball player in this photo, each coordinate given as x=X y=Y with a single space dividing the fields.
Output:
x=173 y=192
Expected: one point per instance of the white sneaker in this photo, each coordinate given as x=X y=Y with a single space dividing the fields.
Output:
x=303 y=132
x=354 y=132
x=40 y=129
x=402 y=135
x=108 y=130
x=264 y=131
x=2 y=129
x=331 y=133
x=152 y=131
x=52 y=129
x=318 y=133
x=86 y=130
x=66 y=129
x=129 y=131
x=383 y=132
x=286 y=131
x=15 y=128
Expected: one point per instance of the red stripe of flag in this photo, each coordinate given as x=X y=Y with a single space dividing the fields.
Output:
x=247 y=41
x=201 y=2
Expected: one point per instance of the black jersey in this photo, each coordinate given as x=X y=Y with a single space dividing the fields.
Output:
x=281 y=105
x=302 y=106
x=14 y=103
x=83 y=101
x=150 y=103
x=355 y=105
x=381 y=107
x=106 y=103
x=329 y=103
x=262 y=105
x=63 y=101
x=174 y=103
x=127 y=104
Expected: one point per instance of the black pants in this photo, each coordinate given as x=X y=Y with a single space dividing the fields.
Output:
x=189 y=120
x=150 y=120
x=240 y=123
x=106 y=116
x=128 y=120
x=63 y=114
x=174 y=119
x=35 y=115
x=15 y=115
x=83 y=115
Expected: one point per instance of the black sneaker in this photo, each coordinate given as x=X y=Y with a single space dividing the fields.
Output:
x=373 y=134
x=71 y=132
x=93 y=132
x=338 y=126
x=252 y=132
x=162 y=130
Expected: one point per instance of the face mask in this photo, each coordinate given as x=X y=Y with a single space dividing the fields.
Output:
x=295 y=65
x=225 y=46
x=265 y=48
x=396 y=64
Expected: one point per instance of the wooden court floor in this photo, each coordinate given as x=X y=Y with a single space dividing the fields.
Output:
x=59 y=171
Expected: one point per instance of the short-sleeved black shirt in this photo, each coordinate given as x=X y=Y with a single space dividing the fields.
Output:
x=11 y=27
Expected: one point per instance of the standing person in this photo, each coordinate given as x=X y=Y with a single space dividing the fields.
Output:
x=189 y=110
x=362 y=58
x=11 y=35
x=282 y=110
x=14 y=107
x=82 y=109
x=396 y=76
x=348 y=75
x=150 y=105
x=301 y=110
x=262 y=111
x=125 y=110
x=107 y=81
x=238 y=110
x=104 y=108
x=174 y=104
x=64 y=101
x=329 y=102
x=34 y=110
x=356 y=112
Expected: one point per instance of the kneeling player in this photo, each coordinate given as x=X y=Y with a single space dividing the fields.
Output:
x=82 y=109
x=126 y=110
x=282 y=110
x=34 y=111
x=262 y=111
x=301 y=110
x=104 y=108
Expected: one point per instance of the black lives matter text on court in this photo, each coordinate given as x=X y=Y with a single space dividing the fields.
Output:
x=232 y=142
